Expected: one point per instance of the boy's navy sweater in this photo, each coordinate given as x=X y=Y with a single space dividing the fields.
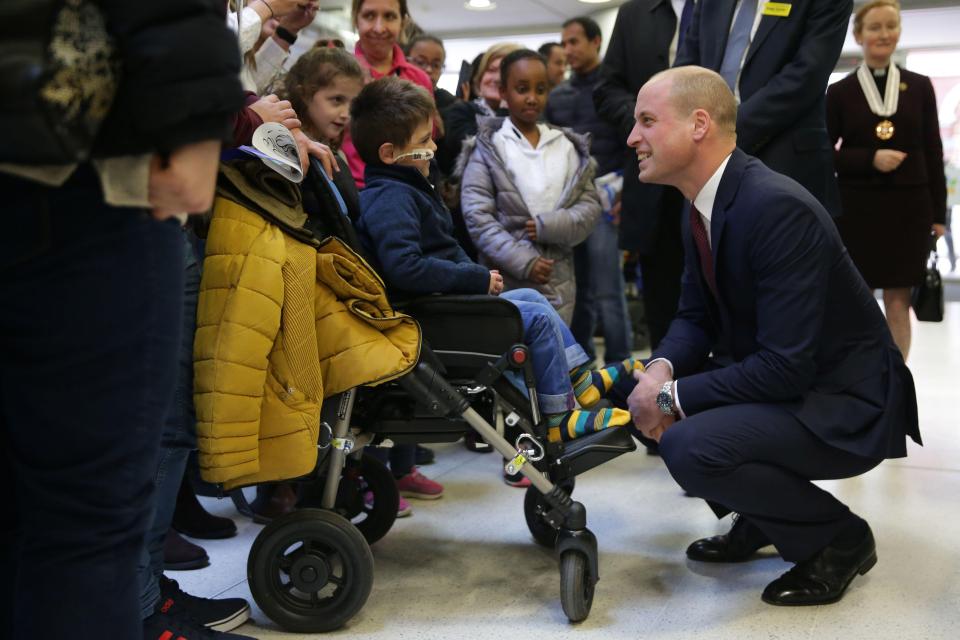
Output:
x=406 y=229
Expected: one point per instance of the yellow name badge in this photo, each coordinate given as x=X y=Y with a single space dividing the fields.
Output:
x=777 y=9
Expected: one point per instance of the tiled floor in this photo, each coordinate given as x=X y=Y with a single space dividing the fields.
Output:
x=465 y=567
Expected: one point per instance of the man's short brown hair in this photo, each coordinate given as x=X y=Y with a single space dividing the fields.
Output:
x=387 y=110
x=695 y=88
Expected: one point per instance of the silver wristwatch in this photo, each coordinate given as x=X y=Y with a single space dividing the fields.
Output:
x=665 y=399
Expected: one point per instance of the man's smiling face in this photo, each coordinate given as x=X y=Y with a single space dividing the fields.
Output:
x=661 y=137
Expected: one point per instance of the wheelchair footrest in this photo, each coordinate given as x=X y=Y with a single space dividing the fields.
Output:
x=593 y=450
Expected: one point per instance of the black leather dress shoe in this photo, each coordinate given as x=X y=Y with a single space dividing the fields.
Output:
x=739 y=544
x=823 y=578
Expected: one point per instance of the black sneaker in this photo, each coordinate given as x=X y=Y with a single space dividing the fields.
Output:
x=221 y=615
x=168 y=623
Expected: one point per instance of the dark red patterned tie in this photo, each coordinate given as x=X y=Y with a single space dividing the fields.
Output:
x=699 y=232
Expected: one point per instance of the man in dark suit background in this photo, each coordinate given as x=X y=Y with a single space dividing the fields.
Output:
x=777 y=58
x=644 y=41
x=804 y=382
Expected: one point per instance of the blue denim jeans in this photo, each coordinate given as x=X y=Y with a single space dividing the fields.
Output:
x=600 y=293
x=89 y=330
x=553 y=350
x=178 y=438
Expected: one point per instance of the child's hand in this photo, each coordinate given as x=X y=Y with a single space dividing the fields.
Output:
x=496 y=283
x=531 y=229
x=541 y=271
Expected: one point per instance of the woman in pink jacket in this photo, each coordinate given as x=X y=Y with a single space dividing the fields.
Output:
x=379 y=23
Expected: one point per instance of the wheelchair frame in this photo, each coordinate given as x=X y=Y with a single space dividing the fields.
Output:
x=552 y=516
x=312 y=570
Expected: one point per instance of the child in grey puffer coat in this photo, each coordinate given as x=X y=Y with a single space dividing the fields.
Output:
x=498 y=203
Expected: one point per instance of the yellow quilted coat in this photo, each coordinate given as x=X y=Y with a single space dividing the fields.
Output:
x=282 y=324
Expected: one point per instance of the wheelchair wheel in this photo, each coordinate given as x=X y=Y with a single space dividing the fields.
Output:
x=310 y=571
x=576 y=589
x=534 y=506
x=372 y=514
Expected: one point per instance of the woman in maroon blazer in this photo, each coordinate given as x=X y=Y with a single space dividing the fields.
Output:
x=889 y=165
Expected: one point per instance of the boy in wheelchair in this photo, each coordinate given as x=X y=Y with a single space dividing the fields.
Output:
x=408 y=233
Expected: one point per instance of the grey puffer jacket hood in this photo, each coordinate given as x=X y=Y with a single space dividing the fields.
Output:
x=495 y=215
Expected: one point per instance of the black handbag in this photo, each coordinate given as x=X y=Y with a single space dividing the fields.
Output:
x=928 y=297
x=58 y=76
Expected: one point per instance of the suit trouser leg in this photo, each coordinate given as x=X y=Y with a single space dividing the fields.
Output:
x=584 y=319
x=758 y=460
x=660 y=272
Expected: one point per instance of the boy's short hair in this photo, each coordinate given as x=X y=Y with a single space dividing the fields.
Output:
x=512 y=58
x=387 y=110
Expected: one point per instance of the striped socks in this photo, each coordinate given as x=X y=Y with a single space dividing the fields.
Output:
x=591 y=386
x=575 y=424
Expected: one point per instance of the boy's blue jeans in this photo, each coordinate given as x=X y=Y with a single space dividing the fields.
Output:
x=553 y=349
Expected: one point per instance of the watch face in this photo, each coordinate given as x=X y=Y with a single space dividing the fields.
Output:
x=665 y=400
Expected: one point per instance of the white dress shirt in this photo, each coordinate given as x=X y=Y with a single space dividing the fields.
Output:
x=678 y=11
x=708 y=194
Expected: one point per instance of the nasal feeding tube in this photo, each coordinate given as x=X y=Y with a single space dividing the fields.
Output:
x=416 y=154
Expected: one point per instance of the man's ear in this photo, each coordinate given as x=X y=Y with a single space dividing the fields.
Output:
x=702 y=123
x=597 y=42
x=386 y=153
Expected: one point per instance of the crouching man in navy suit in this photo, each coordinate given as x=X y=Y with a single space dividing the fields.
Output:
x=778 y=368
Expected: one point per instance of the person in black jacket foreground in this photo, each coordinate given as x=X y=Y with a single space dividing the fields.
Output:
x=91 y=278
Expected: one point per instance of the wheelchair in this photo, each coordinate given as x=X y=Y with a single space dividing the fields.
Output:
x=312 y=570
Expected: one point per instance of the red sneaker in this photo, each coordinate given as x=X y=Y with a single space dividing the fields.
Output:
x=517 y=480
x=403 y=507
x=417 y=485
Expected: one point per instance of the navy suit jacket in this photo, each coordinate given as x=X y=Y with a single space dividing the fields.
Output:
x=793 y=320
x=783 y=82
